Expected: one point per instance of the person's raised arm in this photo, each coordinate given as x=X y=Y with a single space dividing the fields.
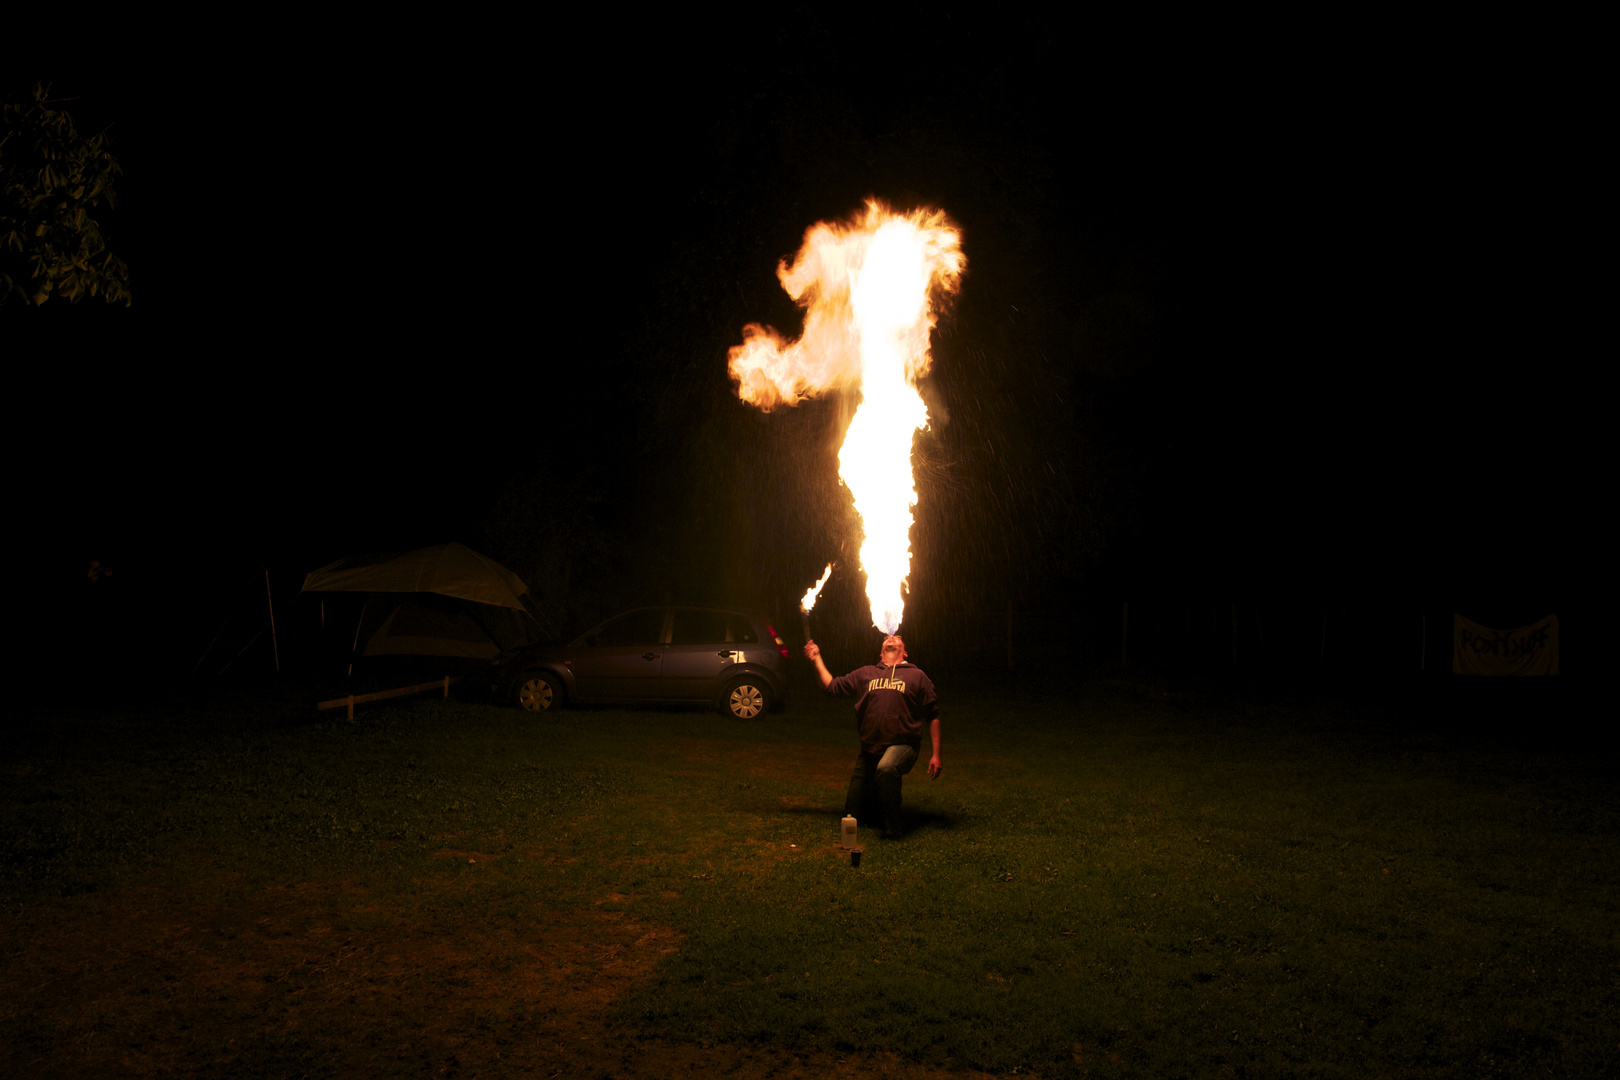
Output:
x=813 y=651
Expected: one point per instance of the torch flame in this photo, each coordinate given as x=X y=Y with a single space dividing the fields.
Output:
x=809 y=600
x=869 y=289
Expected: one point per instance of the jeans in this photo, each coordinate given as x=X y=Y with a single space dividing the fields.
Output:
x=884 y=770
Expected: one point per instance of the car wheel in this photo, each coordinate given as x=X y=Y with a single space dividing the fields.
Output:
x=538 y=691
x=745 y=699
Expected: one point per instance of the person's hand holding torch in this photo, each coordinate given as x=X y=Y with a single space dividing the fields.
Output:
x=812 y=652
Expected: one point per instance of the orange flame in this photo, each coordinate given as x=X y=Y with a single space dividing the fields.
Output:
x=809 y=600
x=869 y=289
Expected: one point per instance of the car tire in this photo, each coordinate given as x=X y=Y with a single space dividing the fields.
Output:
x=746 y=698
x=538 y=692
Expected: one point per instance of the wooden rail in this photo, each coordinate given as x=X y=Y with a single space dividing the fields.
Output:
x=378 y=695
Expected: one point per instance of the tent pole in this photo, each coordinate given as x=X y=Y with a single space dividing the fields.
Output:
x=195 y=667
x=245 y=648
x=1124 y=633
x=362 y=620
x=275 y=645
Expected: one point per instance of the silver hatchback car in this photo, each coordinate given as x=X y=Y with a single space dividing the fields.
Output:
x=670 y=653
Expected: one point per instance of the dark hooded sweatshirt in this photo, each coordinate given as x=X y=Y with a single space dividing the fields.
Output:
x=893 y=704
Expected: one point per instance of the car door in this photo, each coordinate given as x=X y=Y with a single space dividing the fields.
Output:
x=622 y=659
x=698 y=651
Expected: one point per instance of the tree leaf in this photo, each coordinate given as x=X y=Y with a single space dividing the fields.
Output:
x=50 y=179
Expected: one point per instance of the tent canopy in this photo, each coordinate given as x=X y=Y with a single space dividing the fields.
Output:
x=445 y=600
x=447 y=569
x=423 y=624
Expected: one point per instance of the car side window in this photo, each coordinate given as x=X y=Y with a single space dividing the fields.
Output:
x=742 y=629
x=637 y=628
x=696 y=627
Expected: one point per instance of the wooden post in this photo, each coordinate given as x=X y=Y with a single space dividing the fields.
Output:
x=275 y=646
x=354 y=699
x=1125 y=633
x=447 y=688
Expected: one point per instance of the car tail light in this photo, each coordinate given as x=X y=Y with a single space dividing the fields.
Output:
x=781 y=646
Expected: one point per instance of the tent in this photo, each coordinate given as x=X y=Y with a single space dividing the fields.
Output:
x=445 y=600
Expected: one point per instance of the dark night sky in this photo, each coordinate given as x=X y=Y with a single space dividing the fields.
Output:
x=1229 y=327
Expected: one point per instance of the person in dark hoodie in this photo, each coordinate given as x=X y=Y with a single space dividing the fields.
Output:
x=893 y=699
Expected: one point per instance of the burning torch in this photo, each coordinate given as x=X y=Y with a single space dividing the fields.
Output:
x=809 y=600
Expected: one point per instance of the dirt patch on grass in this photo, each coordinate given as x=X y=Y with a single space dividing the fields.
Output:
x=467 y=856
x=336 y=979
x=314 y=978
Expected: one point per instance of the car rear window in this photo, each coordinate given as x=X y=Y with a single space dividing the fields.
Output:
x=696 y=627
x=636 y=628
x=741 y=629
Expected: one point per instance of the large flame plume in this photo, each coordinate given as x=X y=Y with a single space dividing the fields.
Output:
x=869 y=289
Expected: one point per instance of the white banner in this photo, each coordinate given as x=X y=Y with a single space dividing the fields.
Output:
x=1529 y=650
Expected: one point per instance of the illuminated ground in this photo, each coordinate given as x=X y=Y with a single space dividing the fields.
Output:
x=1158 y=886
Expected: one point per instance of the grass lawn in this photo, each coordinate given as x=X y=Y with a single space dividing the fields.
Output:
x=1122 y=882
